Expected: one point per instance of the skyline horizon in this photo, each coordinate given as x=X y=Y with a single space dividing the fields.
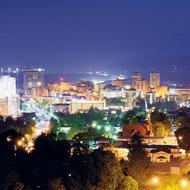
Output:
x=107 y=35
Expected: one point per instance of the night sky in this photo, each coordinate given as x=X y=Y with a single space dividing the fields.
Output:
x=113 y=35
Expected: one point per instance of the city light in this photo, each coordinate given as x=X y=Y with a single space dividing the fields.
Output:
x=184 y=183
x=155 y=181
x=180 y=138
x=19 y=143
x=95 y=95
x=9 y=139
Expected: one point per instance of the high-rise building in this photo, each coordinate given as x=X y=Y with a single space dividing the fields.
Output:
x=136 y=77
x=142 y=86
x=9 y=100
x=7 y=86
x=33 y=80
x=154 y=80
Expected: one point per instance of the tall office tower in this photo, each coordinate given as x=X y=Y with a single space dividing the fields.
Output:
x=136 y=77
x=9 y=100
x=154 y=80
x=142 y=86
x=33 y=80
x=7 y=86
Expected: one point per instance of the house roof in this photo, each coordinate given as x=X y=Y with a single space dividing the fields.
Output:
x=146 y=146
x=129 y=130
x=166 y=150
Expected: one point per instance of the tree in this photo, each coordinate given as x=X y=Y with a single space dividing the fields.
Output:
x=128 y=183
x=161 y=125
x=115 y=101
x=108 y=170
x=160 y=129
x=11 y=182
x=139 y=163
x=183 y=137
x=158 y=116
x=129 y=117
x=165 y=106
x=182 y=120
x=88 y=137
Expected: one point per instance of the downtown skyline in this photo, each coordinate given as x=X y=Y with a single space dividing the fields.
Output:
x=71 y=36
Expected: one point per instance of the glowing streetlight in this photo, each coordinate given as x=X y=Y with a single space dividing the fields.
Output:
x=9 y=139
x=180 y=138
x=155 y=180
x=107 y=128
x=184 y=183
x=99 y=127
x=19 y=143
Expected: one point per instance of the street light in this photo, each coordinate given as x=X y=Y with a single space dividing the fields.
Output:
x=180 y=138
x=19 y=143
x=155 y=180
x=184 y=183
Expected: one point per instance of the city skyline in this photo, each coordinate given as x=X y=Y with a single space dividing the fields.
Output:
x=67 y=36
x=94 y=95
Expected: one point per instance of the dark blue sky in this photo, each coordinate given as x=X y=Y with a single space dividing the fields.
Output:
x=117 y=35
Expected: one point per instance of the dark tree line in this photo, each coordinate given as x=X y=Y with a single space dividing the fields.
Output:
x=59 y=165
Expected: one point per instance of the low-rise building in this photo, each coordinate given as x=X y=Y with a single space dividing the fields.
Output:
x=157 y=153
x=61 y=107
x=85 y=105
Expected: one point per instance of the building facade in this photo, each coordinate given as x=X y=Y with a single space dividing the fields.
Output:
x=154 y=80
x=33 y=81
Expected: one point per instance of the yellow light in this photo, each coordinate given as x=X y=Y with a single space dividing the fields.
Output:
x=180 y=138
x=19 y=143
x=184 y=183
x=23 y=139
x=155 y=180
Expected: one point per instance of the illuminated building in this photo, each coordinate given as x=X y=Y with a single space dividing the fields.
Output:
x=9 y=100
x=181 y=93
x=64 y=86
x=14 y=105
x=62 y=107
x=4 y=109
x=53 y=87
x=161 y=91
x=113 y=93
x=98 y=88
x=131 y=98
x=118 y=83
x=154 y=80
x=142 y=86
x=85 y=105
x=150 y=97
x=58 y=87
x=7 y=86
x=128 y=94
x=33 y=82
x=136 y=77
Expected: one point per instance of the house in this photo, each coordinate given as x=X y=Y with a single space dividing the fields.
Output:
x=160 y=156
x=157 y=153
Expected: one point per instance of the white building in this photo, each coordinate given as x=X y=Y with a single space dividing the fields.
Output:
x=85 y=105
x=128 y=94
x=7 y=86
x=9 y=100
x=131 y=96
x=33 y=81
x=115 y=93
